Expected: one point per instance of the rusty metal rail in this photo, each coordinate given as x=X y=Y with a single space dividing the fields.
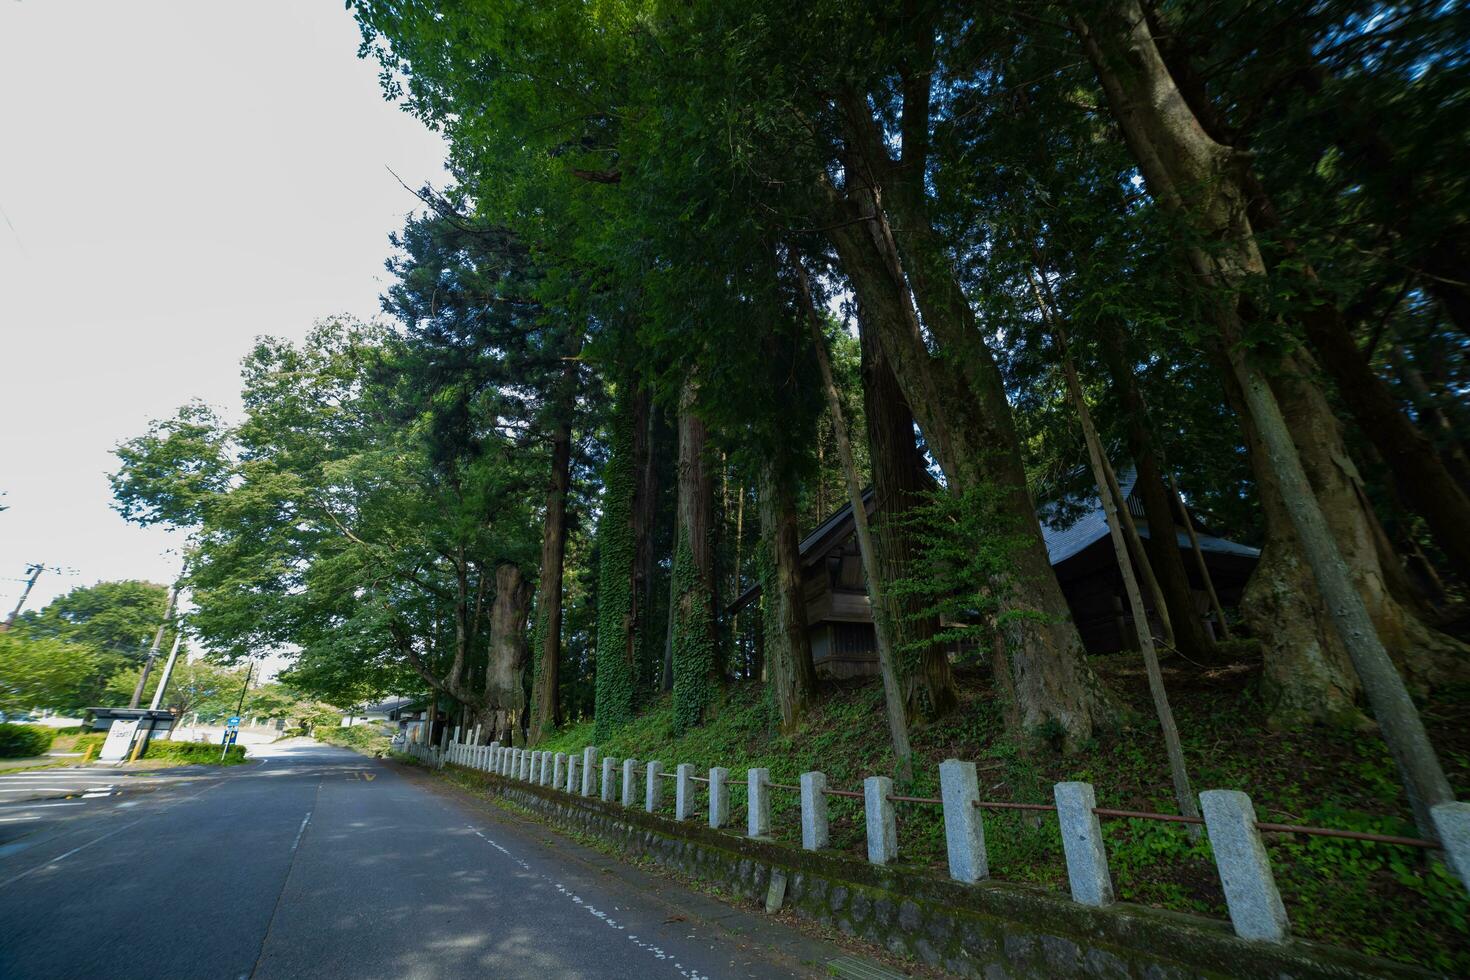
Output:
x=916 y=799
x=996 y=805
x=850 y=794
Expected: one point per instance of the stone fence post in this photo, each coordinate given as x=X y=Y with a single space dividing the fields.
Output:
x=683 y=791
x=609 y=778
x=882 y=823
x=589 y=770
x=1255 y=905
x=719 y=797
x=630 y=782
x=572 y=784
x=964 y=828
x=1082 y=841
x=559 y=771
x=757 y=802
x=654 y=793
x=814 y=834
x=1452 y=821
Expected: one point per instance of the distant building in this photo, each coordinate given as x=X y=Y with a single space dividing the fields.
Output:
x=840 y=619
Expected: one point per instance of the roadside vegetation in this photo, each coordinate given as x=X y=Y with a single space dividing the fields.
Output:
x=368 y=739
x=1380 y=899
x=708 y=272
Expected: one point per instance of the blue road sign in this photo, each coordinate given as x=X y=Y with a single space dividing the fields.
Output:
x=234 y=721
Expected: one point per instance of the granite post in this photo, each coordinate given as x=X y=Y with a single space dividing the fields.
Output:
x=683 y=791
x=881 y=821
x=653 y=794
x=964 y=829
x=1082 y=842
x=609 y=778
x=814 y=834
x=1452 y=821
x=719 y=797
x=589 y=770
x=630 y=781
x=757 y=802
x=1255 y=905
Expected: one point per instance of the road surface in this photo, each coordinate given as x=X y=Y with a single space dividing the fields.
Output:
x=319 y=863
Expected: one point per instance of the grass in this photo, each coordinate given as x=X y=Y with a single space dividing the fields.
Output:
x=1385 y=900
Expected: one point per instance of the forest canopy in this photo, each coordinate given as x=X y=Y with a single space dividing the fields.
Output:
x=708 y=272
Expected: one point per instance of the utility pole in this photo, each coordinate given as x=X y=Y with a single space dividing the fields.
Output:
x=34 y=572
x=225 y=749
x=168 y=669
x=168 y=612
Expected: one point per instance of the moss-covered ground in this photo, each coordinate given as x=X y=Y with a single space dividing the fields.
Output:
x=1386 y=900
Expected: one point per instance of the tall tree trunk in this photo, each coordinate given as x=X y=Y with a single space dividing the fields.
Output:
x=1425 y=482
x=893 y=699
x=1162 y=544
x=900 y=480
x=694 y=639
x=1197 y=178
x=546 y=710
x=1199 y=558
x=617 y=627
x=974 y=441
x=504 y=672
x=645 y=517
x=787 y=646
x=1113 y=502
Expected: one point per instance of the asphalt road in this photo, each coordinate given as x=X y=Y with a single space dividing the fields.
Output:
x=320 y=863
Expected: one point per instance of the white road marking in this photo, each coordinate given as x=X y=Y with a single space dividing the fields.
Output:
x=301 y=831
x=117 y=830
x=657 y=952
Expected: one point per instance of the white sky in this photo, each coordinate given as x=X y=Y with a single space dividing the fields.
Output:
x=176 y=178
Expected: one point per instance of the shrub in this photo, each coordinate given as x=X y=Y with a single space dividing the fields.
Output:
x=367 y=739
x=24 y=741
x=193 y=753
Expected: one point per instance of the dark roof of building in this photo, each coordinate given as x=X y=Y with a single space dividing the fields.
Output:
x=1063 y=540
x=1066 y=540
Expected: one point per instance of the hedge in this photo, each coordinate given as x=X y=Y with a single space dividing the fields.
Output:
x=24 y=741
x=193 y=752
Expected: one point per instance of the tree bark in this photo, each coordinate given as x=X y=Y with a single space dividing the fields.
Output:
x=893 y=699
x=546 y=710
x=788 y=652
x=694 y=640
x=974 y=441
x=1162 y=545
x=1113 y=502
x=645 y=517
x=1192 y=175
x=900 y=480
x=504 y=688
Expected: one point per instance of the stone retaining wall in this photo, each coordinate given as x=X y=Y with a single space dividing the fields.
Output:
x=992 y=929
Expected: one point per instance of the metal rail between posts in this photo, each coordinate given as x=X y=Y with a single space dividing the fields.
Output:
x=916 y=799
x=842 y=792
x=699 y=779
x=794 y=789
x=997 y=805
x=1276 y=828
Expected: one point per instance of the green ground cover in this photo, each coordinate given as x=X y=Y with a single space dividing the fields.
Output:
x=1386 y=900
